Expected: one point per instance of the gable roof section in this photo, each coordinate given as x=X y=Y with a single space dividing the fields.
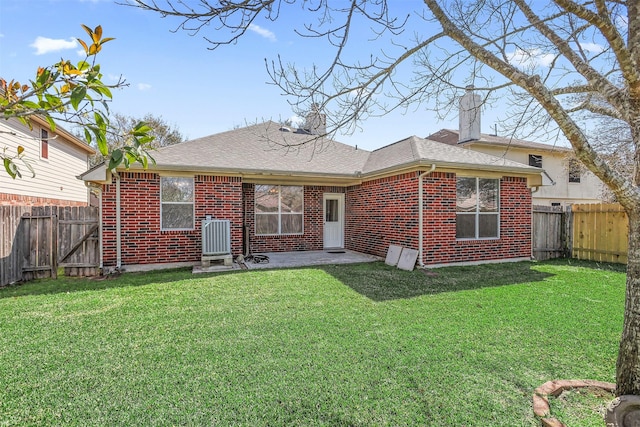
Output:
x=419 y=151
x=450 y=137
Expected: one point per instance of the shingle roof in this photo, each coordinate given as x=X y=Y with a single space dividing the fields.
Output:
x=263 y=148
x=449 y=136
x=266 y=148
x=419 y=150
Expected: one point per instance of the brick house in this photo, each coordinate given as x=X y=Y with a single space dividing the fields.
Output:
x=284 y=191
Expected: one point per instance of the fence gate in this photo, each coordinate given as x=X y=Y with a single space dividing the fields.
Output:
x=550 y=232
x=78 y=242
x=36 y=241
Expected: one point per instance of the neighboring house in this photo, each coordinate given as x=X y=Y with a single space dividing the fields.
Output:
x=566 y=180
x=57 y=158
x=281 y=195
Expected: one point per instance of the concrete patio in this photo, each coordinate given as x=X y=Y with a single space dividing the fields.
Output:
x=295 y=259
x=307 y=258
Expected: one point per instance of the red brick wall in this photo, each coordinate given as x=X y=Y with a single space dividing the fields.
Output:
x=377 y=213
x=310 y=240
x=385 y=211
x=20 y=200
x=142 y=240
x=382 y=212
x=440 y=244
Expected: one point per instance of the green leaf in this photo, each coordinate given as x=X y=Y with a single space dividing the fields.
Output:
x=102 y=90
x=100 y=122
x=141 y=129
x=116 y=159
x=101 y=141
x=52 y=123
x=146 y=139
x=30 y=105
x=52 y=99
x=9 y=167
x=77 y=96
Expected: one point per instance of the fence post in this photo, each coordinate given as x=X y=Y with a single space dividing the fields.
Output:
x=567 y=230
x=54 y=242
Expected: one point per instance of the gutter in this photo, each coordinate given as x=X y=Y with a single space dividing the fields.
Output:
x=421 y=214
x=348 y=178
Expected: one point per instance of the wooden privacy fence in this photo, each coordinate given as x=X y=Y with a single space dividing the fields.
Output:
x=35 y=241
x=595 y=232
x=600 y=232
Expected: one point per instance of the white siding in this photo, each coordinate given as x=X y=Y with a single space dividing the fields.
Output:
x=56 y=176
x=588 y=190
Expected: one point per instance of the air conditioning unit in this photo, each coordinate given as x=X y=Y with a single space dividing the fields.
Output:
x=216 y=237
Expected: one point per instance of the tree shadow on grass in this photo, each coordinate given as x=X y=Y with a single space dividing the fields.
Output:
x=380 y=282
x=66 y=284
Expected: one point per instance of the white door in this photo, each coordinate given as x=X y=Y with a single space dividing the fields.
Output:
x=333 y=220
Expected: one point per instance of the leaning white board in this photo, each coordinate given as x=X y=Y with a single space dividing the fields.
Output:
x=408 y=259
x=393 y=255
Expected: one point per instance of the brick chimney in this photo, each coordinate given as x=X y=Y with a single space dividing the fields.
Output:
x=315 y=122
x=469 y=116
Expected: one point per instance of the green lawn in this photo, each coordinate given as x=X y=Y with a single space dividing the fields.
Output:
x=347 y=345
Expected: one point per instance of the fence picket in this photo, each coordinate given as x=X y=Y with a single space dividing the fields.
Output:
x=600 y=232
x=32 y=239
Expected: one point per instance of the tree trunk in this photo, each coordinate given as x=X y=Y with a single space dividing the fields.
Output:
x=628 y=366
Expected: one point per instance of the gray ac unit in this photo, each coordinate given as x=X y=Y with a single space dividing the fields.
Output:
x=216 y=237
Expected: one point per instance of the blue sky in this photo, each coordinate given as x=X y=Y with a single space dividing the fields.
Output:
x=174 y=75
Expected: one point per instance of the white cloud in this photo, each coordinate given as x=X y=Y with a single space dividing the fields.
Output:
x=46 y=45
x=143 y=86
x=533 y=58
x=262 y=32
x=296 y=121
x=592 y=47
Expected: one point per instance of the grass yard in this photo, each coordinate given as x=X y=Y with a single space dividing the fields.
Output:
x=344 y=345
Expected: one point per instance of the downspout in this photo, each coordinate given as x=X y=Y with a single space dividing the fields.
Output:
x=118 y=224
x=421 y=214
x=101 y=255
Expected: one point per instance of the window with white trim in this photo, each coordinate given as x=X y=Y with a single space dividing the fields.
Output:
x=176 y=203
x=279 y=209
x=477 y=208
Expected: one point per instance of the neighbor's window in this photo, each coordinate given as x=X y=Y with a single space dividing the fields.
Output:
x=535 y=160
x=279 y=209
x=44 y=144
x=477 y=208
x=574 y=171
x=176 y=203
